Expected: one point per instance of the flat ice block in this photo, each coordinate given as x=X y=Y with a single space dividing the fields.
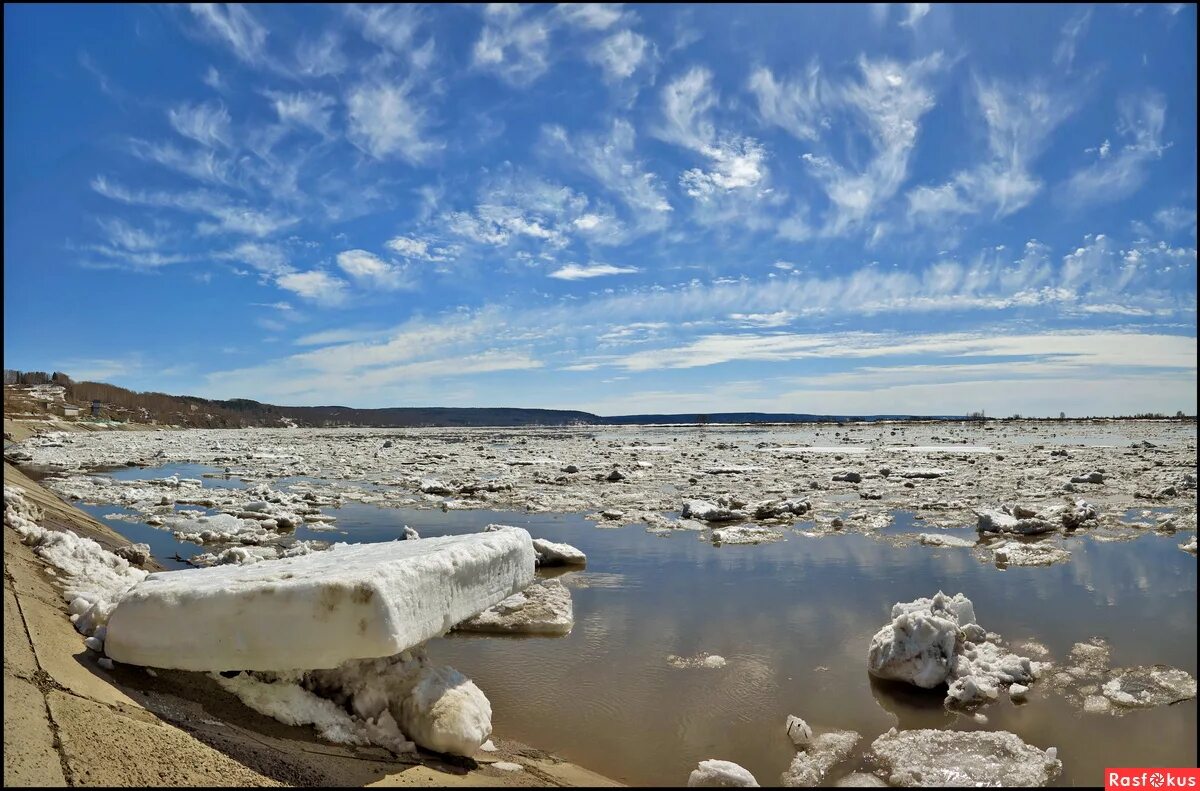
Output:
x=317 y=611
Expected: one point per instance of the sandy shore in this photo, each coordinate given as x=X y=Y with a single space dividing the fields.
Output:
x=69 y=722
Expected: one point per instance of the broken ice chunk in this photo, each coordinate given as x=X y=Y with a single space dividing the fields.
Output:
x=956 y=758
x=552 y=554
x=810 y=766
x=542 y=608
x=318 y=610
x=720 y=774
x=446 y=712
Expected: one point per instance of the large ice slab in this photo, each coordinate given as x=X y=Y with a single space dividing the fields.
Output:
x=930 y=758
x=319 y=610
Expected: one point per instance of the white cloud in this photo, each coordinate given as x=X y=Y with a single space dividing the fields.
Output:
x=737 y=162
x=310 y=109
x=686 y=102
x=338 y=336
x=780 y=318
x=1076 y=350
x=395 y=28
x=891 y=99
x=1019 y=120
x=320 y=57
x=212 y=78
x=1119 y=175
x=514 y=207
x=916 y=12
x=612 y=162
x=794 y=105
x=317 y=286
x=390 y=26
x=202 y=164
x=239 y=219
x=385 y=122
x=1176 y=218
x=371 y=270
x=512 y=45
x=412 y=247
x=236 y=27
x=123 y=235
x=266 y=258
x=592 y=16
x=885 y=104
x=577 y=272
x=1064 y=54
x=206 y=123
x=620 y=55
x=230 y=218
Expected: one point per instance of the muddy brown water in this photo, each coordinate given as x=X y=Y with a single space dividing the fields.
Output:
x=793 y=620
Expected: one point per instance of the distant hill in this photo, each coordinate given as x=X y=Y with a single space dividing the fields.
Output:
x=35 y=393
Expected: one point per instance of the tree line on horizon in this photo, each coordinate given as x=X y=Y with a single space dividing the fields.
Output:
x=119 y=403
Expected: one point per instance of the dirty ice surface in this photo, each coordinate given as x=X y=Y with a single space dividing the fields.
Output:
x=792 y=618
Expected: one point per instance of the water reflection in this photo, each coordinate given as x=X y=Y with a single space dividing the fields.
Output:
x=793 y=620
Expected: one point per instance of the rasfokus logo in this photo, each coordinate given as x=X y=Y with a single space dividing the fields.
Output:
x=1151 y=778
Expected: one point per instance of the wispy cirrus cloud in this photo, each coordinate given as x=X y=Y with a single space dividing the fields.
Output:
x=206 y=123
x=385 y=121
x=1060 y=349
x=620 y=55
x=581 y=272
x=884 y=104
x=372 y=271
x=612 y=161
x=233 y=25
x=1019 y=120
x=736 y=162
x=316 y=286
x=514 y=45
x=228 y=217
x=306 y=109
x=1073 y=30
x=1116 y=175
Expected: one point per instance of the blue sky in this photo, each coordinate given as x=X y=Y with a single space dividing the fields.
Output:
x=852 y=209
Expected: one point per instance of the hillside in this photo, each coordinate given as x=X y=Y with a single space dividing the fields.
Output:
x=39 y=395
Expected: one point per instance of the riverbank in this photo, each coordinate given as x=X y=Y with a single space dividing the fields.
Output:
x=69 y=722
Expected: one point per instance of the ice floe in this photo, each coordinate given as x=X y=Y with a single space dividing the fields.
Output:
x=1087 y=680
x=320 y=609
x=936 y=641
x=550 y=553
x=1144 y=687
x=710 y=661
x=931 y=758
x=810 y=765
x=1017 y=553
x=798 y=731
x=938 y=540
x=720 y=774
x=542 y=608
x=392 y=702
x=745 y=534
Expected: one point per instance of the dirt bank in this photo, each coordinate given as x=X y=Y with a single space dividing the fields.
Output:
x=69 y=722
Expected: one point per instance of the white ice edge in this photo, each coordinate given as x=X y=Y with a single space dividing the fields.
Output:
x=319 y=610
